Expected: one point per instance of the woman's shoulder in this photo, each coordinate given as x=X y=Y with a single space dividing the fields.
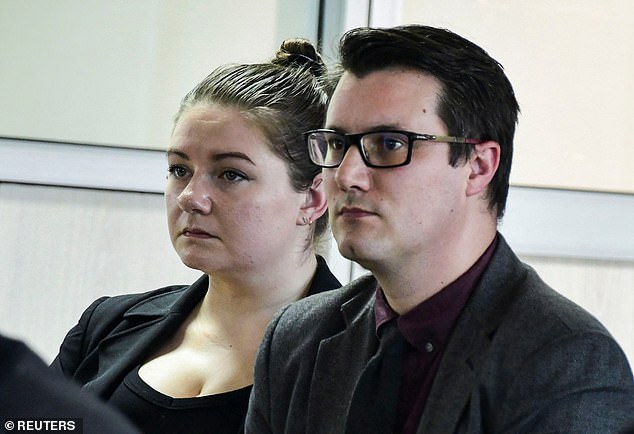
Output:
x=156 y=301
x=108 y=312
x=116 y=314
x=131 y=299
x=117 y=305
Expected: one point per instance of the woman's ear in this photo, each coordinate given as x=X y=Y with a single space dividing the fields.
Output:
x=484 y=162
x=315 y=204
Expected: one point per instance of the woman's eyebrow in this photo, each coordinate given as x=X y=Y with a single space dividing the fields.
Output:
x=215 y=157
x=227 y=155
x=170 y=152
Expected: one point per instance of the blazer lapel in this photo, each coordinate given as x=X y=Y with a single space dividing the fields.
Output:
x=144 y=327
x=469 y=344
x=339 y=362
x=455 y=378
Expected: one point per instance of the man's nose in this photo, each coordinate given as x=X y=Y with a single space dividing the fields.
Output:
x=352 y=172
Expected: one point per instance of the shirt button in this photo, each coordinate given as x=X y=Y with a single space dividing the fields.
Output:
x=429 y=347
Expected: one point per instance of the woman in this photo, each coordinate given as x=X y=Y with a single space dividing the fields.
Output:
x=245 y=206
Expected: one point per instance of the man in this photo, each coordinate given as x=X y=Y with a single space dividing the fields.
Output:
x=451 y=333
x=33 y=399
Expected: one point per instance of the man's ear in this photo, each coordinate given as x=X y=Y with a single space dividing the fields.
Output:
x=484 y=162
x=315 y=204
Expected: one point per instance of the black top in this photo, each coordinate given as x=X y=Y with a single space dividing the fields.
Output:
x=154 y=412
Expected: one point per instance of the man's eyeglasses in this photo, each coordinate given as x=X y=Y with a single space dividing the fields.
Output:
x=381 y=149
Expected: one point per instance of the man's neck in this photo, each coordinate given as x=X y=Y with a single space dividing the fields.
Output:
x=407 y=285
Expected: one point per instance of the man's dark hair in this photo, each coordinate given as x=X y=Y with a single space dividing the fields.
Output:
x=476 y=101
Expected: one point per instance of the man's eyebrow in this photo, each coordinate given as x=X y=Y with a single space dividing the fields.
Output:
x=382 y=127
x=215 y=157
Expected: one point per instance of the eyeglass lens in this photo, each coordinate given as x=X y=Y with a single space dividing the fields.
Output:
x=378 y=149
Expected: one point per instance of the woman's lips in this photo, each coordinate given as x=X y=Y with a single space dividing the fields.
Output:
x=196 y=233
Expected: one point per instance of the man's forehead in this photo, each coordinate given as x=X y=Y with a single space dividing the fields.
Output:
x=382 y=99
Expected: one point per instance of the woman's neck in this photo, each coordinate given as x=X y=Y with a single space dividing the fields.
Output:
x=261 y=292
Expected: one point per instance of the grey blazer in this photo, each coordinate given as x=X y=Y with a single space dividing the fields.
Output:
x=521 y=359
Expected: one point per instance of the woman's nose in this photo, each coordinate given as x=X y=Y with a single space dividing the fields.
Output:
x=195 y=197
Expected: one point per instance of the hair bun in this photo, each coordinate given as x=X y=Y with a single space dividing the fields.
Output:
x=300 y=52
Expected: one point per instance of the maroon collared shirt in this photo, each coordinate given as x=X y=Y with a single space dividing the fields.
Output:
x=426 y=329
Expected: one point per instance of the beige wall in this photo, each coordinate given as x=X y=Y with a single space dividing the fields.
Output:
x=572 y=67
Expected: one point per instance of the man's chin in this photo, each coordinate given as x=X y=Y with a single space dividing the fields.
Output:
x=356 y=254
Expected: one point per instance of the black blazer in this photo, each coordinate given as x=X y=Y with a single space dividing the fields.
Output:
x=521 y=359
x=116 y=334
x=28 y=390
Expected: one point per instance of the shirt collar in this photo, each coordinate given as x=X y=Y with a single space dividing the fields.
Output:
x=432 y=320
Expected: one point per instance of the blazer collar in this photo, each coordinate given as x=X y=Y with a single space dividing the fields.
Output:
x=354 y=310
x=144 y=325
x=181 y=301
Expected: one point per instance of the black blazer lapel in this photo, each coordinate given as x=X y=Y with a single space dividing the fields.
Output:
x=144 y=327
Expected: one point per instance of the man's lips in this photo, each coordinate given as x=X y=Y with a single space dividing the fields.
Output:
x=354 y=212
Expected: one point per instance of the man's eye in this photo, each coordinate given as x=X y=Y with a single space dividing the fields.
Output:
x=177 y=171
x=337 y=144
x=392 y=144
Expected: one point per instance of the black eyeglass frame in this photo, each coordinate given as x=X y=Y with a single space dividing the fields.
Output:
x=355 y=139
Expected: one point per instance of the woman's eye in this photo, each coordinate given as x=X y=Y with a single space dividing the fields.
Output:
x=232 y=175
x=177 y=171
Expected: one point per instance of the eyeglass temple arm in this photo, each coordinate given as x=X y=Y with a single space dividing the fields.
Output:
x=448 y=139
